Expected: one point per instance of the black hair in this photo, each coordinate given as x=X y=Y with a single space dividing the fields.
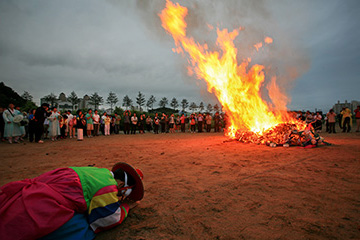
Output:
x=120 y=174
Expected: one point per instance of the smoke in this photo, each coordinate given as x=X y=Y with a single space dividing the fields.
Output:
x=285 y=58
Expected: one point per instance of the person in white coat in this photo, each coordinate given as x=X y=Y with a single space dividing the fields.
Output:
x=11 y=130
x=54 y=126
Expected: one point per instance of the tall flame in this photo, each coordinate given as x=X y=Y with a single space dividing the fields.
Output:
x=236 y=86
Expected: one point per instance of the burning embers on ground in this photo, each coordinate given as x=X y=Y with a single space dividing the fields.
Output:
x=236 y=85
x=283 y=134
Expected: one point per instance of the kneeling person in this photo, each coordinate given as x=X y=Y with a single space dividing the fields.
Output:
x=69 y=203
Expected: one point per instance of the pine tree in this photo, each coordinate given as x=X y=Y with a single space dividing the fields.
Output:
x=140 y=100
x=209 y=108
x=29 y=103
x=184 y=104
x=112 y=100
x=163 y=102
x=26 y=95
x=193 y=106
x=174 y=103
x=150 y=102
x=127 y=102
x=73 y=98
x=201 y=107
x=51 y=98
x=96 y=100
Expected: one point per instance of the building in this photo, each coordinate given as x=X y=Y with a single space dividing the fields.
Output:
x=352 y=106
x=84 y=103
x=63 y=104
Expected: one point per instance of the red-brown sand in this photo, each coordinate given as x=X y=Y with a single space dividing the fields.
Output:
x=200 y=187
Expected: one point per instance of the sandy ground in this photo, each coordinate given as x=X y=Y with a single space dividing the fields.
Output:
x=200 y=187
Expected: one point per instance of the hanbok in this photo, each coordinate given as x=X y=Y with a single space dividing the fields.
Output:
x=22 y=128
x=66 y=203
x=54 y=125
x=11 y=129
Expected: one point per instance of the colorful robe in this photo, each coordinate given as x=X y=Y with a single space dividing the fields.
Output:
x=71 y=203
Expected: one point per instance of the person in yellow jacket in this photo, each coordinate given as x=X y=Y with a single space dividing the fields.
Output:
x=346 y=119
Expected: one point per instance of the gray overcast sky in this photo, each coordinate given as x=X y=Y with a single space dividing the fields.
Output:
x=101 y=46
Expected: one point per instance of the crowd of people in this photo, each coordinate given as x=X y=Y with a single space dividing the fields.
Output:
x=344 y=118
x=45 y=123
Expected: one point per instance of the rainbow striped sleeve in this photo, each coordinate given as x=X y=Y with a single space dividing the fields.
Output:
x=105 y=211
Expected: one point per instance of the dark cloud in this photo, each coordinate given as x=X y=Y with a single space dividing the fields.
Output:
x=91 y=46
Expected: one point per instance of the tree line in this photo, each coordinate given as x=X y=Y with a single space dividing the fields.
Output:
x=96 y=100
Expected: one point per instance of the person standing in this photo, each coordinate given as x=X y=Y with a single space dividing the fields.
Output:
x=117 y=123
x=41 y=115
x=340 y=118
x=32 y=125
x=134 y=122
x=23 y=128
x=141 y=123
x=182 y=122
x=326 y=124
x=167 y=123
x=331 y=116
x=192 y=123
x=148 y=123
x=80 y=124
x=200 y=119
x=96 y=118
x=89 y=123
x=63 y=126
x=11 y=130
x=156 y=124
x=318 y=122
x=107 y=123
x=177 y=123
x=112 y=124
x=127 y=122
x=162 y=123
x=208 y=120
x=357 y=117
x=70 y=125
x=172 y=123
x=102 y=122
x=54 y=126
x=346 y=120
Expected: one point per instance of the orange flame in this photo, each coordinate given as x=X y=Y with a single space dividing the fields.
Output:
x=236 y=86
x=268 y=40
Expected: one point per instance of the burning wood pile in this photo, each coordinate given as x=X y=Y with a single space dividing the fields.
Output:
x=284 y=134
x=237 y=85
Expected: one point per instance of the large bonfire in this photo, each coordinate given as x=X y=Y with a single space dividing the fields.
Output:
x=236 y=85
